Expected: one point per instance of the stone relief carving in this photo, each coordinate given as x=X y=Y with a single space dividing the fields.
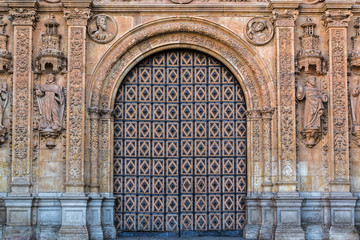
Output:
x=355 y=112
x=102 y=28
x=4 y=100
x=312 y=1
x=50 y=58
x=354 y=60
x=51 y=101
x=310 y=55
x=313 y=112
x=5 y=55
x=259 y=30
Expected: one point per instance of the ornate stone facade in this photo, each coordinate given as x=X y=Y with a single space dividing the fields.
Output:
x=73 y=157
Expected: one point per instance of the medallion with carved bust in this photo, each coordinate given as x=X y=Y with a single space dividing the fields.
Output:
x=259 y=31
x=102 y=28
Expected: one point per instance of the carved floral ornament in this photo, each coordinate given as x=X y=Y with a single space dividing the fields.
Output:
x=102 y=28
x=23 y=16
x=259 y=30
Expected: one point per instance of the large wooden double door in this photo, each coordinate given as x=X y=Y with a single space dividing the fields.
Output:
x=180 y=147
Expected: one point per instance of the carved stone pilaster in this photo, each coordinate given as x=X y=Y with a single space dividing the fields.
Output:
x=341 y=203
x=76 y=20
x=23 y=22
x=336 y=22
x=94 y=149
x=105 y=148
x=254 y=118
x=285 y=22
x=266 y=115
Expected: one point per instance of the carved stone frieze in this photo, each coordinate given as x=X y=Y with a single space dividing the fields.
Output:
x=50 y=58
x=310 y=55
x=4 y=100
x=51 y=101
x=5 y=55
x=313 y=112
x=102 y=28
x=259 y=30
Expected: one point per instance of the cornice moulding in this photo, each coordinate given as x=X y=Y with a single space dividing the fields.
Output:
x=279 y=4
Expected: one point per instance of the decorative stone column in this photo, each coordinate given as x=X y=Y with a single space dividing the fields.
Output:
x=106 y=123
x=19 y=201
x=287 y=200
x=95 y=200
x=251 y=230
x=341 y=201
x=74 y=202
x=268 y=217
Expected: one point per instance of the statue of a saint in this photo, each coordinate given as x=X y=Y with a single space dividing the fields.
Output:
x=355 y=107
x=100 y=32
x=314 y=107
x=51 y=104
x=4 y=99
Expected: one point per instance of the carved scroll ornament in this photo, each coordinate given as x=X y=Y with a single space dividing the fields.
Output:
x=314 y=111
x=4 y=99
x=259 y=31
x=51 y=102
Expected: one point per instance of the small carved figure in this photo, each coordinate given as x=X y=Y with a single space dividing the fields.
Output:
x=4 y=98
x=314 y=109
x=355 y=106
x=259 y=30
x=51 y=102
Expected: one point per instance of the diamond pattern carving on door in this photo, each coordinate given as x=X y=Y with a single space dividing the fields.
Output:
x=180 y=147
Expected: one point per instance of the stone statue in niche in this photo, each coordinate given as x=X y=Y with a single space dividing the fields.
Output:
x=4 y=99
x=355 y=111
x=102 y=28
x=51 y=103
x=259 y=30
x=314 y=110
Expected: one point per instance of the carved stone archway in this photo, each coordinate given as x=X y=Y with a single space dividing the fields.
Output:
x=190 y=33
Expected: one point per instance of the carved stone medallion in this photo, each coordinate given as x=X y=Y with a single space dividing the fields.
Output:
x=259 y=31
x=102 y=28
x=311 y=1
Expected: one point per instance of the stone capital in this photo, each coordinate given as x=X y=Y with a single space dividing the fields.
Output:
x=23 y=16
x=267 y=113
x=93 y=112
x=337 y=18
x=106 y=114
x=77 y=16
x=253 y=115
x=285 y=17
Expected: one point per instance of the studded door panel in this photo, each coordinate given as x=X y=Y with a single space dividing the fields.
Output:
x=180 y=146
